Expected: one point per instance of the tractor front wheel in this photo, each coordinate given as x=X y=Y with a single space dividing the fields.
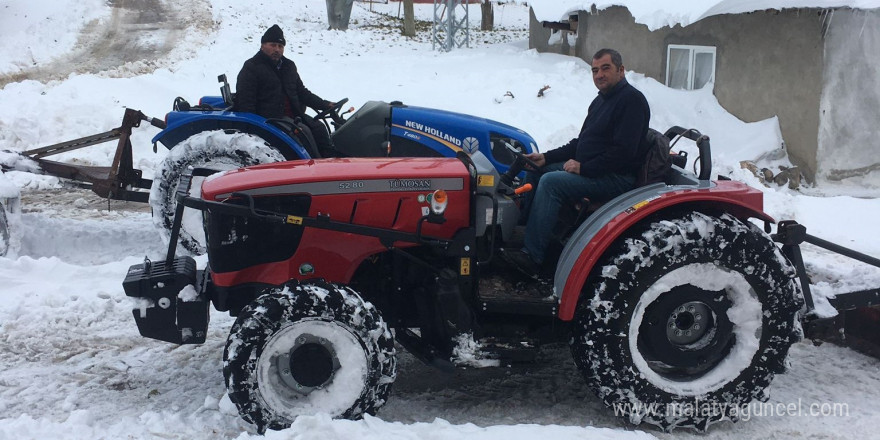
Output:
x=217 y=150
x=305 y=349
x=687 y=321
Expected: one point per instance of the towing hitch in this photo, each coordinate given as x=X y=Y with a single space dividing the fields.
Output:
x=791 y=234
x=119 y=181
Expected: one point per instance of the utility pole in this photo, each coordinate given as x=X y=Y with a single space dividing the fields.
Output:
x=409 y=19
x=487 y=16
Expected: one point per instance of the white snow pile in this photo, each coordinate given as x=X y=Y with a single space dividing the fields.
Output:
x=8 y=190
x=72 y=364
x=36 y=31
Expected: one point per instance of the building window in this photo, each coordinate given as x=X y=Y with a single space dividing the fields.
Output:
x=689 y=67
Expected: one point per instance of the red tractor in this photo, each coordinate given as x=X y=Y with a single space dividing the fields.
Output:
x=669 y=296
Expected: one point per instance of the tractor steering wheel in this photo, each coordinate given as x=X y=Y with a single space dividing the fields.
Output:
x=520 y=161
x=333 y=113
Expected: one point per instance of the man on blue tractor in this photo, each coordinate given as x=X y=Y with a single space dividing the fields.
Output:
x=269 y=85
x=600 y=164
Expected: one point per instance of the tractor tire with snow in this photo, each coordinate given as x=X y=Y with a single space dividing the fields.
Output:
x=687 y=321
x=219 y=150
x=305 y=349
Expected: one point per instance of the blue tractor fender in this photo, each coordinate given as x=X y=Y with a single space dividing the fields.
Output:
x=183 y=124
x=591 y=240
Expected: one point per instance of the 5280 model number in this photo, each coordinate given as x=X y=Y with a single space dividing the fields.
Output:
x=357 y=184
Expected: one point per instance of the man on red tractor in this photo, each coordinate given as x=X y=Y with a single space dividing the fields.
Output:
x=269 y=85
x=600 y=164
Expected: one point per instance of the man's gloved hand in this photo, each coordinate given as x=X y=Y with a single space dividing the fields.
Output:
x=328 y=105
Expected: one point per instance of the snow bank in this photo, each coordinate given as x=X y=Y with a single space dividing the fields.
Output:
x=37 y=31
x=8 y=190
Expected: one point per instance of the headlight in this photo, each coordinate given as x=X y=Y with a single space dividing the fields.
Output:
x=438 y=201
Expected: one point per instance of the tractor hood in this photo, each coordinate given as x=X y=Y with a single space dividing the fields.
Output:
x=457 y=131
x=340 y=176
x=372 y=204
x=448 y=133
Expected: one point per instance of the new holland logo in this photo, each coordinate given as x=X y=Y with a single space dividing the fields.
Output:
x=471 y=145
x=410 y=184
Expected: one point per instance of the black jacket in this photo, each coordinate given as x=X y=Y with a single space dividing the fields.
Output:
x=262 y=86
x=612 y=139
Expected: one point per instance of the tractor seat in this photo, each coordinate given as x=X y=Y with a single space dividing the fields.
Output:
x=299 y=131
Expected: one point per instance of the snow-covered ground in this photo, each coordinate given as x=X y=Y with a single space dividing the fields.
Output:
x=72 y=364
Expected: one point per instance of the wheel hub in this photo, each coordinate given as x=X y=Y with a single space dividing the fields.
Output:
x=696 y=333
x=309 y=364
x=689 y=322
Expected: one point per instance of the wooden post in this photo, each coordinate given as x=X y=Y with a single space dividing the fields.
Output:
x=487 y=22
x=409 y=19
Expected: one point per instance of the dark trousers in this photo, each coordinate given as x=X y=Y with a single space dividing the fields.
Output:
x=556 y=187
x=319 y=133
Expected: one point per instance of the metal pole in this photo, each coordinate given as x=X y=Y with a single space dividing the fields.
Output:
x=450 y=25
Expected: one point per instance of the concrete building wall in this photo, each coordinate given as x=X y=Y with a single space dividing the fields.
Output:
x=539 y=36
x=849 y=132
x=546 y=40
x=768 y=63
x=771 y=63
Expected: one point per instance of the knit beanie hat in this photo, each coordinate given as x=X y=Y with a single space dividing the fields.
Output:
x=273 y=35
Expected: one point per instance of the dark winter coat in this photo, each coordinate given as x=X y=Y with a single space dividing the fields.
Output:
x=262 y=86
x=612 y=139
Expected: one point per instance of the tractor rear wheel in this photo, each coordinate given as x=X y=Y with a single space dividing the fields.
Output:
x=308 y=348
x=218 y=150
x=687 y=322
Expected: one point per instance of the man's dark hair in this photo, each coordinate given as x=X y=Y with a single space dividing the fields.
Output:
x=616 y=59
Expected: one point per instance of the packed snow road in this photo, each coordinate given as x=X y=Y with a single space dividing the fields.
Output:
x=139 y=32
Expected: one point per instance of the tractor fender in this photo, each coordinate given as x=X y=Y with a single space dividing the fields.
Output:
x=590 y=241
x=182 y=125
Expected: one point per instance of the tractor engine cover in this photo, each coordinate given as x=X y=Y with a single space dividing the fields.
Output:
x=387 y=194
x=169 y=305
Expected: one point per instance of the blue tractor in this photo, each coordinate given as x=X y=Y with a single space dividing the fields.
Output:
x=213 y=135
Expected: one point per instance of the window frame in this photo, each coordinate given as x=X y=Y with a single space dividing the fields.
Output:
x=693 y=50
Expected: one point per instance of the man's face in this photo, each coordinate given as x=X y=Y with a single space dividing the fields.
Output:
x=273 y=50
x=605 y=74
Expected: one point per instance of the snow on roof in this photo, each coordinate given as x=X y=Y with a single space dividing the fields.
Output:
x=656 y=14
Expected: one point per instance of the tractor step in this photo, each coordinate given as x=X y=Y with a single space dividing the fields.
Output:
x=509 y=294
x=423 y=352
